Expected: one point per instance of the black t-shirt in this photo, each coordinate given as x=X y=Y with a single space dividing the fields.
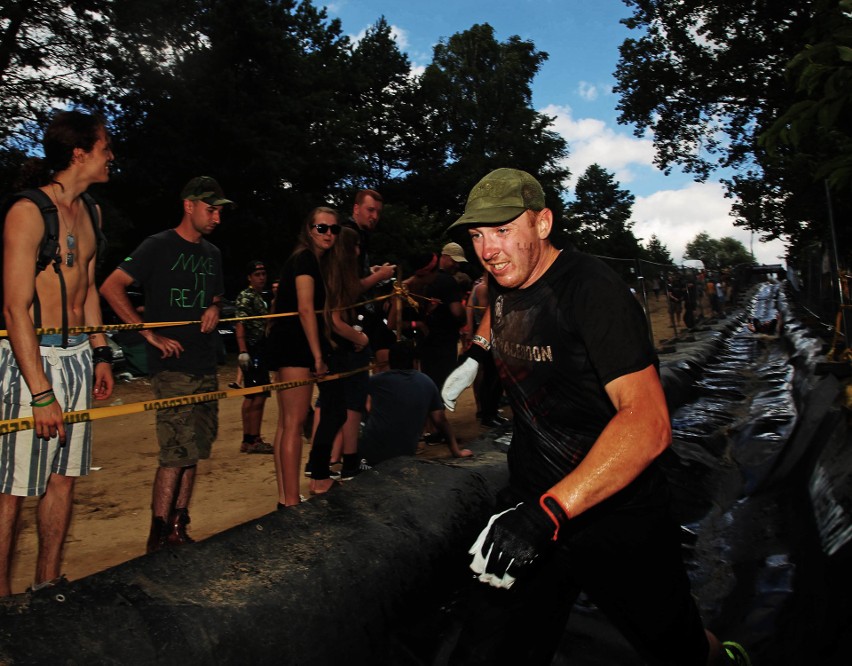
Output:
x=443 y=324
x=557 y=343
x=180 y=279
x=303 y=263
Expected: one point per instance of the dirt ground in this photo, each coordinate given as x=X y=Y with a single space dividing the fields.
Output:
x=112 y=516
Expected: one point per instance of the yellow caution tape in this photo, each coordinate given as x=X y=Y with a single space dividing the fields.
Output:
x=79 y=330
x=83 y=415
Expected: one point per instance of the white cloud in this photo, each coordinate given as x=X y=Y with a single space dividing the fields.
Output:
x=399 y=35
x=588 y=91
x=676 y=217
x=676 y=212
x=590 y=141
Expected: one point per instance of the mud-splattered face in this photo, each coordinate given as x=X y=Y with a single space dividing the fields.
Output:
x=514 y=252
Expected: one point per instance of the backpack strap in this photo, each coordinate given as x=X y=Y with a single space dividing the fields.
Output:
x=49 y=249
x=49 y=252
x=94 y=216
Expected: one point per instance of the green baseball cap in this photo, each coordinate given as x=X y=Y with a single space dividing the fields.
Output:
x=501 y=197
x=206 y=189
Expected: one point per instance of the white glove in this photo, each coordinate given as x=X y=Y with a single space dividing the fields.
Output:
x=244 y=359
x=458 y=381
x=479 y=561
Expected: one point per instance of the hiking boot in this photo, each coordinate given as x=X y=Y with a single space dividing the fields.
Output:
x=158 y=536
x=177 y=528
x=736 y=653
x=257 y=446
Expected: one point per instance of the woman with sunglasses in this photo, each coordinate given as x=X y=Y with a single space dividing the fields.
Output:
x=298 y=345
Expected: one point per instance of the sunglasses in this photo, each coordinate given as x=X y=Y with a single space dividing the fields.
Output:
x=325 y=228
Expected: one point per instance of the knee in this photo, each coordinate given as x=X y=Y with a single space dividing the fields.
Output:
x=60 y=484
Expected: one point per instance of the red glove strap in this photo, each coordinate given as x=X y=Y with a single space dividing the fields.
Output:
x=554 y=510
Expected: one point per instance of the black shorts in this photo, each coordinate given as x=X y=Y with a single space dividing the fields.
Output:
x=288 y=349
x=626 y=556
x=257 y=373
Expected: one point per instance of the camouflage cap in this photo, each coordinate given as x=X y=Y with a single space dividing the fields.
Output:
x=206 y=189
x=501 y=197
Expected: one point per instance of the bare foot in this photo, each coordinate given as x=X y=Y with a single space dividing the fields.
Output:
x=321 y=486
x=465 y=453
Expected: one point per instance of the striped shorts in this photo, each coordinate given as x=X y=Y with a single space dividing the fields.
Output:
x=26 y=461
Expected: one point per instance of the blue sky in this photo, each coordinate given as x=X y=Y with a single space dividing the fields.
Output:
x=574 y=86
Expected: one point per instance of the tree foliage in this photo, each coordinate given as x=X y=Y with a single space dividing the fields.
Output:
x=657 y=252
x=708 y=78
x=474 y=114
x=56 y=53
x=717 y=254
x=819 y=124
x=275 y=102
x=598 y=220
x=381 y=100
x=48 y=50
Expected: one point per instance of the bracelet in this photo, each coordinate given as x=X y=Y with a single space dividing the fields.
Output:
x=47 y=402
x=102 y=354
x=478 y=339
x=555 y=511
x=34 y=396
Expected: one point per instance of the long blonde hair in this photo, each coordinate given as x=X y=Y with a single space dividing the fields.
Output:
x=342 y=282
x=304 y=242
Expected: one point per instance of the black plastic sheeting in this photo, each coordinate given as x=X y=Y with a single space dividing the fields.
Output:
x=324 y=582
x=375 y=571
x=750 y=424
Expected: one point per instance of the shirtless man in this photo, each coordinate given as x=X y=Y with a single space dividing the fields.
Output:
x=43 y=377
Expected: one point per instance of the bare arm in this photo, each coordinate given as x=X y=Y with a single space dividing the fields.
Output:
x=240 y=333
x=22 y=236
x=344 y=330
x=484 y=330
x=103 y=379
x=114 y=291
x=377 y=274
x=210 y=317
x=638 y=433
x=308 y=319
x=439 y=418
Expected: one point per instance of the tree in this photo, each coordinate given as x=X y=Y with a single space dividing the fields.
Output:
x=599 y=217
x=381 y=76
x=657 y=252
x=256 y=102
x=473 y=107
x=69 y=52
x=709 y=79
x=48 y=49
x=815 y=132
x=818 y=124
x=717 y=254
